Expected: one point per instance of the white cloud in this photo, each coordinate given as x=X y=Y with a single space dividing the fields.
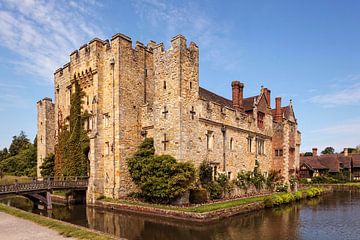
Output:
x=43 y=33
x=348 y=95
x=187 y=17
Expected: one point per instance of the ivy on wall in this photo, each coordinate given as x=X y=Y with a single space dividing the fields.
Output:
x=71 y=151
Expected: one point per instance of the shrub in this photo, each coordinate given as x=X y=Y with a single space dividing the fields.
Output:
x=282 y=188
x=324 y=179
x=224 y=182
x=274 y=178
x=298 y=196
x=243 y=180
x=198 y=195
x=205 y=173
x=287 y=197
x=215 y=190
x=258 y=180
x=160 y=178
x=292 y=182
x=273 y=200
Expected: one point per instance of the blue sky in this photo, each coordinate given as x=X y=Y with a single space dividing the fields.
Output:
x=307 y=51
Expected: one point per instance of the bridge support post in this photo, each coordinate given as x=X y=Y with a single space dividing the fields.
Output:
x=48 y=201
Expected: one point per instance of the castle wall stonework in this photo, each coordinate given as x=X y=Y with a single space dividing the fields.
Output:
x=131 y=93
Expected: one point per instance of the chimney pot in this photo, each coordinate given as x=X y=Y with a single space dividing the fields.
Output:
x=346 y=152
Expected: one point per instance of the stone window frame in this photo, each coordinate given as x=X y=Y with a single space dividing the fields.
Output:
x=260 y=143
x=249 y=144
x=209 y=140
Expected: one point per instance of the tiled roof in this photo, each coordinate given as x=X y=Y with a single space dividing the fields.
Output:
x=312 y=162
x=355 y=159
x=332 y=162
x=249 y=102
x=345 y=161
x=210 y=96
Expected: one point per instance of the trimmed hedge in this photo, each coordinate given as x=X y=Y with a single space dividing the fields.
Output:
x=285 y=198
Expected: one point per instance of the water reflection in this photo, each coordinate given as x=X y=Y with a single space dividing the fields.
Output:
x=329 y=217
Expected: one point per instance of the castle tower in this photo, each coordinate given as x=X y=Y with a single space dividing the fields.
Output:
x=45 y=132
x=176 y=76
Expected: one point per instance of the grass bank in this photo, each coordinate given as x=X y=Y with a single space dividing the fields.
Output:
x=210 y=207
x=65 y=229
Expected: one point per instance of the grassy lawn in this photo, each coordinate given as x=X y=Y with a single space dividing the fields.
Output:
x=64 y=229
x=208 y=207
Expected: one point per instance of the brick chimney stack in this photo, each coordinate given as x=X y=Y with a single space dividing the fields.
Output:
x=235 y=85
x=314 y=152
x=278 y=112
x=346 y=152
x=267 y=93
x=237 y=94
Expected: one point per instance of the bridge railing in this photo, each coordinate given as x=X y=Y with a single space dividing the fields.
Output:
x=45 y=184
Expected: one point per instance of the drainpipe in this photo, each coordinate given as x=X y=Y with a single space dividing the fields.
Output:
x=112 y=63
x=223 y=130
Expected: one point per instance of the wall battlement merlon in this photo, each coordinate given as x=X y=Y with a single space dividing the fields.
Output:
x=45 y=99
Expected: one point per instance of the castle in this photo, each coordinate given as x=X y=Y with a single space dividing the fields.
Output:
x=147 y=91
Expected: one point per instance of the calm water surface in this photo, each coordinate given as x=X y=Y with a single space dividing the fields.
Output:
x=334 y=216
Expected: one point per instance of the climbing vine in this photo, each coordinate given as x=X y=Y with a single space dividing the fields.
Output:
x=71 y=153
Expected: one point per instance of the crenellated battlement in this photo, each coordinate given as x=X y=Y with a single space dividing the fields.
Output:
x=177 y=42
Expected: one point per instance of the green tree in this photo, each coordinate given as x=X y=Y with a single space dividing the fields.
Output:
x=160 y=178
x=4 y=154
x=308 y=154
x=19 y=143
x=328 y=150
x=47 y=167
x=22 y=164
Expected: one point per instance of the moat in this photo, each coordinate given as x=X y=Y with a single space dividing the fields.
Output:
x=332 y=216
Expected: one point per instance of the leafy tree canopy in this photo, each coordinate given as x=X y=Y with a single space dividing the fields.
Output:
x=328 y=150
x=21 y=164
x=47 y=167
x=308 y=154
x=19 y=143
